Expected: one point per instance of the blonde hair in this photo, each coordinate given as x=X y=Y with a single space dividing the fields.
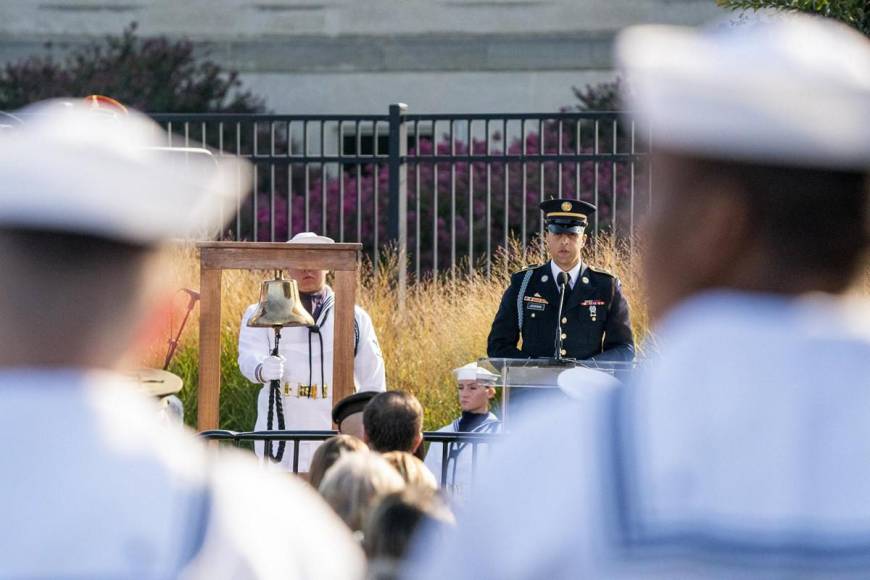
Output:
x=412 y=470
x=356 y=483
x=329 y=452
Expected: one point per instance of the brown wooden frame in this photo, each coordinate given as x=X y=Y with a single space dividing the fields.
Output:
x=215 y=257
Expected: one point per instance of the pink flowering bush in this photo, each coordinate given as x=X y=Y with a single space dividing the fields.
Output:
x=368 y=186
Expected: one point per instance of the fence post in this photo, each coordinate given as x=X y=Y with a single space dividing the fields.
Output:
x=398 y=224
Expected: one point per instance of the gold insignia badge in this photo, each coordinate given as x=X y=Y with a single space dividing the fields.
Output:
x=566 y=206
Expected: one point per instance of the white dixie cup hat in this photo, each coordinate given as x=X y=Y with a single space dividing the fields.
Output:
x=789 y=89
x=69 y=169
x=310 y=238
x=474 y=372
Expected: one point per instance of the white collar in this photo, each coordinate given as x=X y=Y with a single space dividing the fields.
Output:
x=573 y=272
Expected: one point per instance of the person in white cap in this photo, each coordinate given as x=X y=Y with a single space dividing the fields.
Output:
x=476 y=388
x=304 y=363
x=740 y=451
x=93 y=485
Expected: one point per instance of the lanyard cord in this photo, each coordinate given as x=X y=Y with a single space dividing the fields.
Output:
x=452 y=455
x=315 y=330
x=309 y=360
x=275 y=402
x=322 y=376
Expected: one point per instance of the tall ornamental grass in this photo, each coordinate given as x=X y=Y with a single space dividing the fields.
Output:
x=444 y=325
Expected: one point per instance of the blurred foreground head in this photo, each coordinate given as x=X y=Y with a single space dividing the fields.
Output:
x=392 y=524
x=355 y=484
x=331 y=451
x=761 y=155
x=87 y=203
x=413 y=471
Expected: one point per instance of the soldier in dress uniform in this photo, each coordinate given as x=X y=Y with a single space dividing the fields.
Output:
x=595 y=320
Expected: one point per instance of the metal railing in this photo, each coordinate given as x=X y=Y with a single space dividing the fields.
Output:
x=447 y=190
x=247 y=438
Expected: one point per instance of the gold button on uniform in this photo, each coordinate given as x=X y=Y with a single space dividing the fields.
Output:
x=564 y=336
x=563 y=352
x=564 y=321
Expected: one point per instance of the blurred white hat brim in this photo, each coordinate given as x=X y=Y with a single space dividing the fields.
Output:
x=581 y=380
x=66 y=169
x=792 y=90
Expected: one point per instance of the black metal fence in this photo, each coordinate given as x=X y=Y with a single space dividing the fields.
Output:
x=446 y=189
x=294 y=438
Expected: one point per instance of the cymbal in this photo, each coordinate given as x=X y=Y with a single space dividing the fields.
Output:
x=157 y=382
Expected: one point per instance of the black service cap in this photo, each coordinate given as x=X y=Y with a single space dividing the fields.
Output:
x=354 y=403
x=566 y=215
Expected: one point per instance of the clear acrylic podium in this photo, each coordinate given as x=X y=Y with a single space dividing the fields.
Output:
x=541 y=376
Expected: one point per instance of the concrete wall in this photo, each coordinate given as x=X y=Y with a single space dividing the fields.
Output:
x=357 y=56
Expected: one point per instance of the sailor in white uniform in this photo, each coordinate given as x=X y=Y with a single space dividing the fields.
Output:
x=94 y=485
x=476 y=387
x=304 y=363
x=740 y=450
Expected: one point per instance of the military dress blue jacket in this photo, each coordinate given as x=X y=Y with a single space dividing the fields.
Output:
x=595 y=318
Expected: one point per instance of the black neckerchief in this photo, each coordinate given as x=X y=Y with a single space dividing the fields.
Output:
x=313 y=301
x=470 y=421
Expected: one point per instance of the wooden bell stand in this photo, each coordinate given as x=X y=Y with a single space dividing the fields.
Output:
x=215 y=257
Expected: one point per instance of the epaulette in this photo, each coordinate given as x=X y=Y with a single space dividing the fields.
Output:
x=601 y=271
x=526 y=269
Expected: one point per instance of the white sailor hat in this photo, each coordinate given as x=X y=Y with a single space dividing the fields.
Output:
x=789 y=89
x=309 y=238
x=68 y=169
x=473 y=372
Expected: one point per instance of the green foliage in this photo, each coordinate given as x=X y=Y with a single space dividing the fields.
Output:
x=238 y=407
x=600 y=97
x=153 y=74
x=855 y=13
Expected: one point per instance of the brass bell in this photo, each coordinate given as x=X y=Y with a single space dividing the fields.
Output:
x=280 y=305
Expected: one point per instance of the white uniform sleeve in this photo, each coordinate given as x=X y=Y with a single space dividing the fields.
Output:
x=368 y=366
x=433 y=460
x=496 y=531
x=434 y=456
x=253 y=345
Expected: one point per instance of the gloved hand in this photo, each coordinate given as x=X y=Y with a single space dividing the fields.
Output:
x=272 y=368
